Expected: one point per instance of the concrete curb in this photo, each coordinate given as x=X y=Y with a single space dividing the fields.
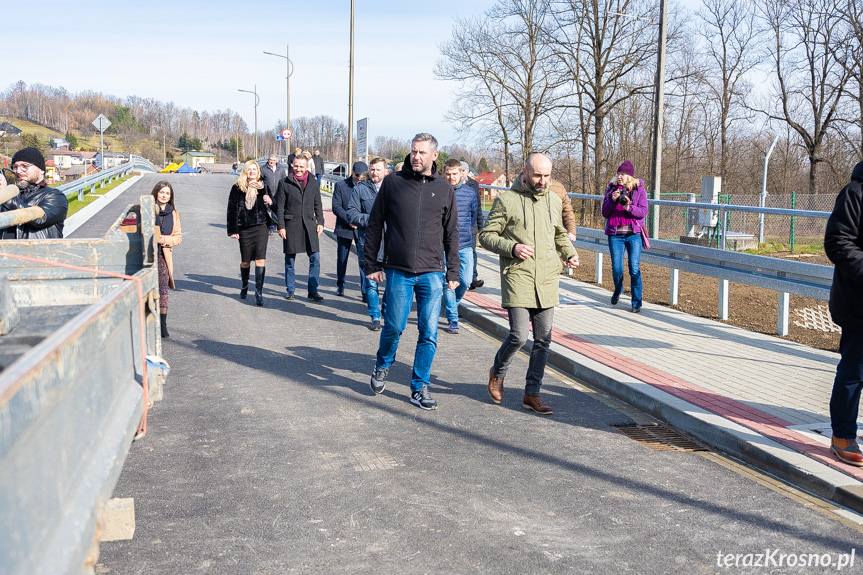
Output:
x=716 y=431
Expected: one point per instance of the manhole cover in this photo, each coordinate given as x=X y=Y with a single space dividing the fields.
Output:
x=660 y=438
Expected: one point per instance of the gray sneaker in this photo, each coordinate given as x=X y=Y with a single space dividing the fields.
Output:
x=375 y=325
x=379 y=379
x=422 y=399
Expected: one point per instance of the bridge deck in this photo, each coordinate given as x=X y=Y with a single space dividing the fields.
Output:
x=270 y=452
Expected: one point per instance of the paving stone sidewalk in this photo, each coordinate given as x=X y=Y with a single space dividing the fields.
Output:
x=771 y=394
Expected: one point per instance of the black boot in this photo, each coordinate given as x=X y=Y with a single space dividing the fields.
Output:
x=163 y=318
x=259 y=284
x=244 y=276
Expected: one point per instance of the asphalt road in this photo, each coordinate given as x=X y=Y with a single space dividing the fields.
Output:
x=269 y=453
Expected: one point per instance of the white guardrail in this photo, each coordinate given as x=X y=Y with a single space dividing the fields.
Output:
x=105 y=177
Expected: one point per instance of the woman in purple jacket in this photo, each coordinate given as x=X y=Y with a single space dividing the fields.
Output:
x=624 y=208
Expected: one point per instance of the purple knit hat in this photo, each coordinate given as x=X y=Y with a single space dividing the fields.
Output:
x=627 y=168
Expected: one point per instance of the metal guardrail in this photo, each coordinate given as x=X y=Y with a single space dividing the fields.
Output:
x=71 y=394
x=101 y=179
x=783 y=276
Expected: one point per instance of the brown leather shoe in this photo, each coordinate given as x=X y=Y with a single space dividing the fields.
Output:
x=847 y=450
x=495 y=386
x=536 y=403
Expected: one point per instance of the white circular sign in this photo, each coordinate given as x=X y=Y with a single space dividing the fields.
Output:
x=287 y=133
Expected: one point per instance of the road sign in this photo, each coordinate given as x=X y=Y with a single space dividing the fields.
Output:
x=102 y=123
x=362 y=141
x=279 y=137
x=287 y=133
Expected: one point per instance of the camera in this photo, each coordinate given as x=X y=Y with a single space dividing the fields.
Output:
x=623 y=199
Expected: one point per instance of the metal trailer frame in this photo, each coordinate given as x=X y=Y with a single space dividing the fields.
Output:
x=71 y=404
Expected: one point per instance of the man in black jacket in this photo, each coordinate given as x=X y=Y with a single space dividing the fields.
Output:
x=418 y=208
x=29 y=167
x=843 y=243
x=344 y=230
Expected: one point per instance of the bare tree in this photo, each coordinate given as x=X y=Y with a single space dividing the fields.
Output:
x=849 y=53
x=730 y=31
x=809 y=78
x=507 y=72
x=602 y=44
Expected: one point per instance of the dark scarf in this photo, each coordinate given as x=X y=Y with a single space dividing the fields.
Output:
x=302 y=182
x=165 y=220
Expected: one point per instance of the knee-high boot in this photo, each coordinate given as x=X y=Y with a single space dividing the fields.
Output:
x=259 y=284
x=244 y=276
x=163 y=319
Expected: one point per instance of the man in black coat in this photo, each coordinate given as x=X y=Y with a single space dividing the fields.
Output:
x=843 y=244
x=300 y=218
x=29 y=167
x=319 y=165
x=345 y=231
x=417 y=207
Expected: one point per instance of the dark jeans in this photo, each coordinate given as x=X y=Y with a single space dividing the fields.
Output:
x=473 y=246
x=519 y=318
x=845 y=399
x=343 y=246
x=314 y=270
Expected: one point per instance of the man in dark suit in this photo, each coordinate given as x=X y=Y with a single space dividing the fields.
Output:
x=345 y=231
x=300 y=218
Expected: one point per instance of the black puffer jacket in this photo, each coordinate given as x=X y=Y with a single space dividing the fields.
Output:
x=421 y=220
x=50 y=226
x=239 y=217
x=843 y=244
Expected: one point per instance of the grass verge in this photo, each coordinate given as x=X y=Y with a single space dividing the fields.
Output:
x=76 y=205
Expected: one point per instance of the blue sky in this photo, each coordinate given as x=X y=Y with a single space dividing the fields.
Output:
x=197 y=54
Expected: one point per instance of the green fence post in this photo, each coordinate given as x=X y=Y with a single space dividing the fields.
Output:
x=793 y=204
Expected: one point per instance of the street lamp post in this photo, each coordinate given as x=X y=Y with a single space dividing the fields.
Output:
x=290 y=70
x=351 y=96
x=257 y=101
x=656 y=162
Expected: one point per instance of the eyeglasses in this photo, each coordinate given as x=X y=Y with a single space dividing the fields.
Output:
x=21 y=167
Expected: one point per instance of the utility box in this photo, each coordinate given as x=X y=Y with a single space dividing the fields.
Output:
x=711 y=187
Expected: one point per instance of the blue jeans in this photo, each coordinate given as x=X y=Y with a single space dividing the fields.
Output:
x=373 y=298
x=632 y=244
x=343 y=252
x=314 y=271
x=845 y=399
x=465 y=275
x=318 y=176
x=399 y=295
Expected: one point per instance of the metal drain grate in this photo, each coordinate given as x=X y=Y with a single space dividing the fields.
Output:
x=660 y=438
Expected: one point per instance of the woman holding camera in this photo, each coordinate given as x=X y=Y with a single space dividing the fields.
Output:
x=624 y=208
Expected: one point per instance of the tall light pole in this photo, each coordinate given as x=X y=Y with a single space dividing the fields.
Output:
x=290 y=70
x=656 y=162
x=257 y=101
x=351 y=97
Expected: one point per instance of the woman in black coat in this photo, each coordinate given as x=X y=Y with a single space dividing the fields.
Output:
x=248 y=221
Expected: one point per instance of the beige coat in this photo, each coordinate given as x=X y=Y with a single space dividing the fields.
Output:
x=175 y=239
x=567 y=214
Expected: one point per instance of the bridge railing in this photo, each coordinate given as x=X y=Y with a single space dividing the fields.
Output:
x=105 y=177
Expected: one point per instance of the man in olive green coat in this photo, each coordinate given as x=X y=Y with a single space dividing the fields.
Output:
x=525 y=228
